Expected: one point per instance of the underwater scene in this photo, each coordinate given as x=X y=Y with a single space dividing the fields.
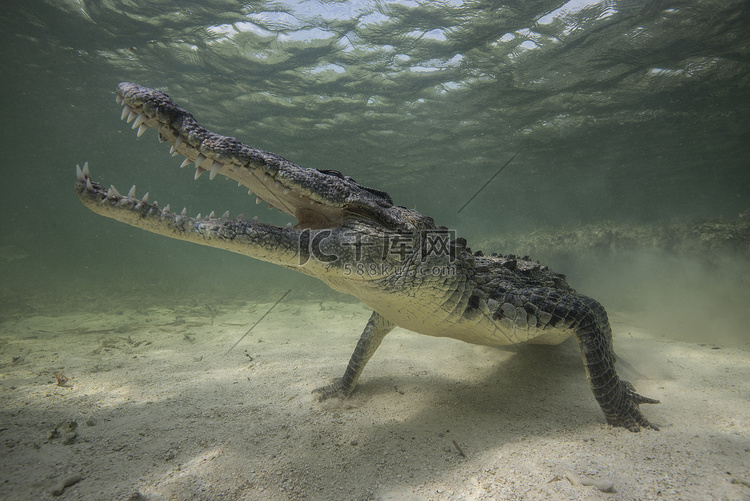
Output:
x=541 y=208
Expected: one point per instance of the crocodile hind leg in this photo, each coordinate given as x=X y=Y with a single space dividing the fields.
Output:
x=375 y=330
x=617 y=398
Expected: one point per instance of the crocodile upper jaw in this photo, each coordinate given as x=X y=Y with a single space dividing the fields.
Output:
x=264 y=174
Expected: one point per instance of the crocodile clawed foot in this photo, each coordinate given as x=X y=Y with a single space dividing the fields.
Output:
x=628 y=413
x=337 y=389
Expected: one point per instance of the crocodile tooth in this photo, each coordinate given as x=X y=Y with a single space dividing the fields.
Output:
x=277 y=184
x=198 y=172
x=143 y=128
x=139 y=120
x=288 y=225
x=177 y=142
x=183 y=212
x=185 y=162
x=286 y=191
x=89 y=186
x=118 y=99
x=266 y=176
x=131 y=116
x=212 y=215
x=199 y=160
x=114 y=191
x=159 y=135
x=215 y=167
x=144 y=199
x=198 y=216
x=175 y=153
x=86 y=170
x=312 y=202
x=255 y=219
x=172 y=151
x=225 y=215
x=166 y=209
x=155 y=204
x=257 y=200
x=79 y=173
x=125 y=112
x=131 y=193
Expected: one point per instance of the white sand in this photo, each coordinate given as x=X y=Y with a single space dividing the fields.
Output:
x=163 y=413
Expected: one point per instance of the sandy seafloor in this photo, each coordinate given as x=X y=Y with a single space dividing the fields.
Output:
x=154 y=408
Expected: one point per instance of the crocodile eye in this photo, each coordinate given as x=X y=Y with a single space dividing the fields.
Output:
x=333 y=173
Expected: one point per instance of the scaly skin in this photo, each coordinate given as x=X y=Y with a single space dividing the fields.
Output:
x=412 y=273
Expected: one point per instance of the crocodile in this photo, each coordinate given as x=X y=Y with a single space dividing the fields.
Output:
x=410 y=271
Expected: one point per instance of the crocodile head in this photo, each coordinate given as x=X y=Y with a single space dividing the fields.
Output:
x=344 y=231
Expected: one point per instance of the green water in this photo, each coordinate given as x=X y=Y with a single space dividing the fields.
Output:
x=625 y=112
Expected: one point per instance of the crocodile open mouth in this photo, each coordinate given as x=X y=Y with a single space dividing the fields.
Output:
x=302 y=193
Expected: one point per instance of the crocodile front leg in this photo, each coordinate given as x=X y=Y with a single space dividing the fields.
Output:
x=375 y=330
x=617 y=398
